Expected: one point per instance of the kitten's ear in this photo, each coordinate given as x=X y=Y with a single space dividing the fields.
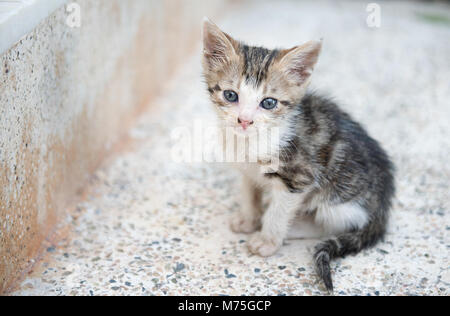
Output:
x=218 y=47
x=300 y=60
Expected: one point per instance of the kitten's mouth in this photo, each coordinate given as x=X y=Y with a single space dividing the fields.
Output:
x=239 y=130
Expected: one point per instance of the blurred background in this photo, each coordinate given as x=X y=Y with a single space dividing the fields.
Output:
x=90 y=92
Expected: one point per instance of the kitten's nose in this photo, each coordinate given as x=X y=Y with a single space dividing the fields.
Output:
x=244 y=123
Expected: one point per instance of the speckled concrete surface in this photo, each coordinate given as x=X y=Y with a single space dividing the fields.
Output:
x=154 y=227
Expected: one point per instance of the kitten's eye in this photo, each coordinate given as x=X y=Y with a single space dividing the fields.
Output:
x=268 y=104
x=230 y=96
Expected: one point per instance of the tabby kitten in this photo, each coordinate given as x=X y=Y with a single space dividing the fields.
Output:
x=333 y=178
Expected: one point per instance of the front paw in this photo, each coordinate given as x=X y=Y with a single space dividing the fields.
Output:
x=263 y=245
x=242 y=224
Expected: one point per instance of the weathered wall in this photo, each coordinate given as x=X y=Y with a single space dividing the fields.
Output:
x=67 y=95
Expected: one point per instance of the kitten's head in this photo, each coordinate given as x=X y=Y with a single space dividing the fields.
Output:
x=253 y=87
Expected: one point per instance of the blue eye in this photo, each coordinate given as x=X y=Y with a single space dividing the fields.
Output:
x=268 y=104
x=230 y=96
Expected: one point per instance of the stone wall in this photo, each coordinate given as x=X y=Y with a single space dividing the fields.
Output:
x=67 y=95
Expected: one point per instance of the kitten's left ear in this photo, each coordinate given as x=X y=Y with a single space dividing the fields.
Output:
x=218 y=47
x=300 y=60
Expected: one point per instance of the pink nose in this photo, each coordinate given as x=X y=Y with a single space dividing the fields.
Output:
x=244 y=123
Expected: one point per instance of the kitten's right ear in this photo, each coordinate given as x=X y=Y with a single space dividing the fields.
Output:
x=301 y=60
x=218 y=47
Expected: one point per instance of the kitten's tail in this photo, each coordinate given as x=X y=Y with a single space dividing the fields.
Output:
x=343 y=245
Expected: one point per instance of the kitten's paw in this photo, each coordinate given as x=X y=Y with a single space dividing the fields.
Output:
x=242 y=224
x=262 y=245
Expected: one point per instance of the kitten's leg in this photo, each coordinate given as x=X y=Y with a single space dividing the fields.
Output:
x=248 y=218
x=275 y=222
x=337 y=219
x=305 y=228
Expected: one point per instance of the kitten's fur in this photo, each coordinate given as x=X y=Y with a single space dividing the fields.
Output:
x=332 y=176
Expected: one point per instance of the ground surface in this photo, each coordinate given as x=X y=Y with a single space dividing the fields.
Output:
x=153 y=226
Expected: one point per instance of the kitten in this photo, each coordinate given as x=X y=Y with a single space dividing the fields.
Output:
x=334 y=179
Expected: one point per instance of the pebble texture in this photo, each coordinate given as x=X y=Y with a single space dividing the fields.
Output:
x=151 y=226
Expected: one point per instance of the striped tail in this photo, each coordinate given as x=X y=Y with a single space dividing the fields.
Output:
x=343 y=245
